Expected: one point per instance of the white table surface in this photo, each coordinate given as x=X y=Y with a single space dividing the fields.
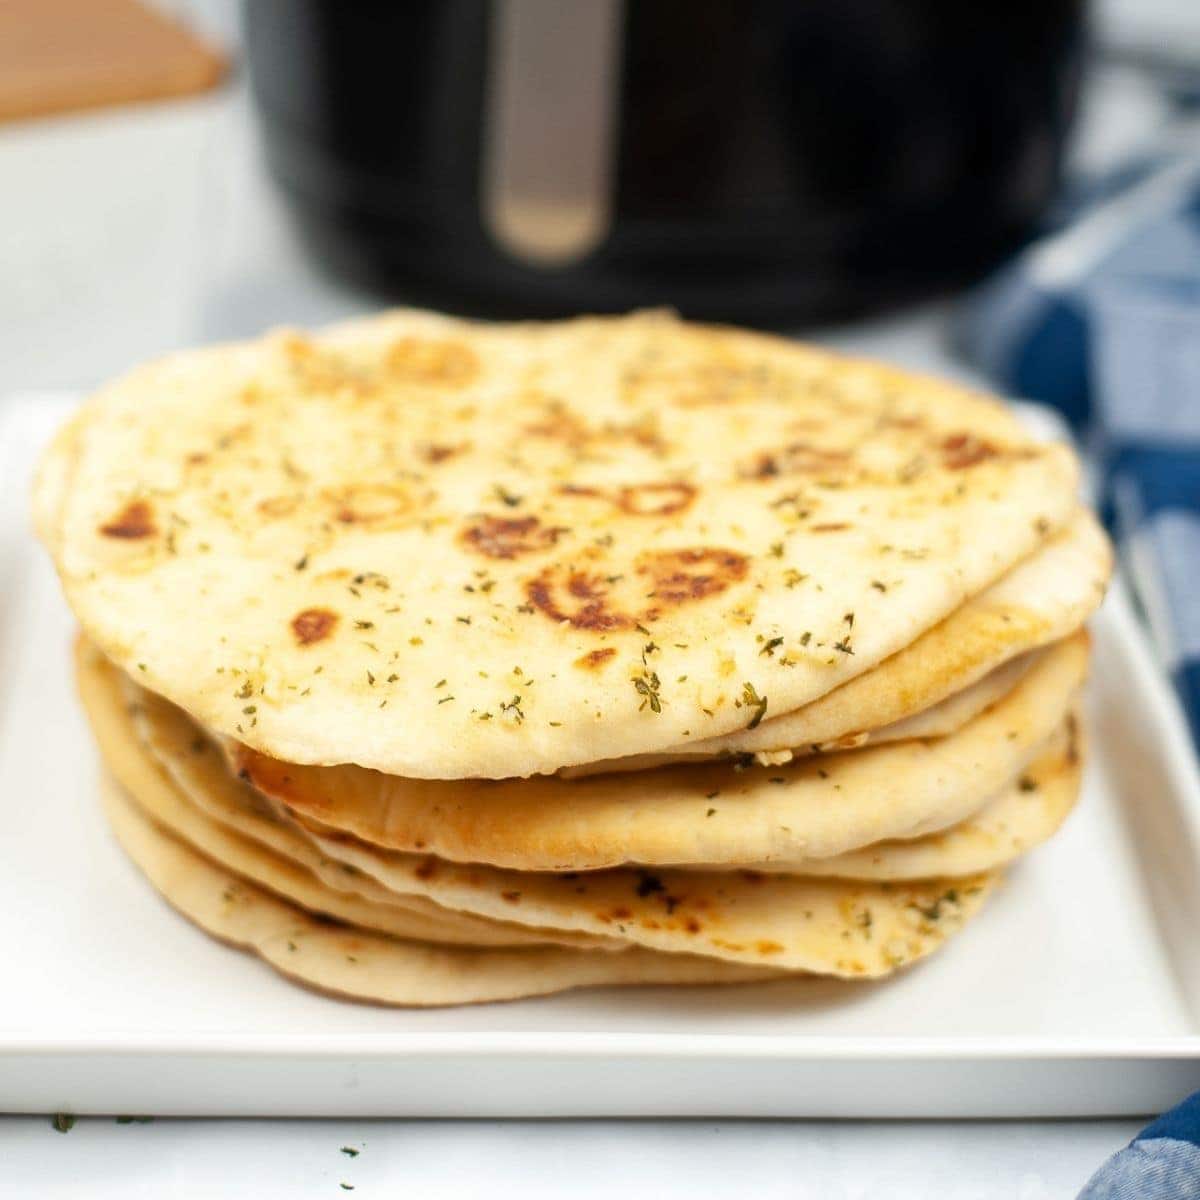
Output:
x=126 y=234
x=663 y=1160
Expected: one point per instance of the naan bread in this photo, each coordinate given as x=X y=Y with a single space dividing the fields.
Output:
x=443 y=549
x=1026 y=813
x=1041 y=600
x=940 y=720
x=360 y=965
x=709 y=814
x=847 y=928
x=947 y=716
x=249 y=840
x=820 y=926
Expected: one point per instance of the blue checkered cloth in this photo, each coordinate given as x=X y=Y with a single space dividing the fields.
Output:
x=1161 y=1163
x=1102 y=320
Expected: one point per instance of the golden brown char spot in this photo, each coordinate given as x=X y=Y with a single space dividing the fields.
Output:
x=797 y=458
x=643 y=432
x=655 y=499
x=591 y=611
x=433 y=453
x=511 y=897
x=961 y=450
x=675 y=577
x=432 y=362
x=427 y=869
x=135 y=520
x=509 y=537
x=560 y=424
x=313 y=625
x=763 y=466
x=829 y=527
x=566 y=593
x=659 y=499
x=765 y=947
x=376 y=505
x=596 y=658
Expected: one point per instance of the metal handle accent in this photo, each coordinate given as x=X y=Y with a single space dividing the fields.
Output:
x=549 y=127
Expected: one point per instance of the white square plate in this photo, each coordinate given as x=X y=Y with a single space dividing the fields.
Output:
x=1075 y=992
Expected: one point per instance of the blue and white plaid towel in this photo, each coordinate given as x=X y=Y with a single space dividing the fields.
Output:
x=1102 y=320
x=1161 y=1163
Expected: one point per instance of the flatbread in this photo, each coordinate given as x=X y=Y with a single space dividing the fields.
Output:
x=443 y=549
x=947 y=716
x=359 y=965
x=847 y=928
x=1024 y=815
x=1041 y=600
x=820 y=926
x=709 y=814
x=273 y=855
x=940 y=720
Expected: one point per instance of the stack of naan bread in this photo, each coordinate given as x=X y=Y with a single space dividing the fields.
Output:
x=441 y=662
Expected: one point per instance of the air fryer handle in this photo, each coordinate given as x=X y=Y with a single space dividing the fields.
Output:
x=549 y=129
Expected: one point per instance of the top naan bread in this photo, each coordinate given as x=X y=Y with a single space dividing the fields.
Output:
x=917 y=691
x=443 y=549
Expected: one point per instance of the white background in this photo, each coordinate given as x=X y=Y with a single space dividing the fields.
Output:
x=125 y=234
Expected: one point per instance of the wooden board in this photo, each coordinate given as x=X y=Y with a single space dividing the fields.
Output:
x=62 y=55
